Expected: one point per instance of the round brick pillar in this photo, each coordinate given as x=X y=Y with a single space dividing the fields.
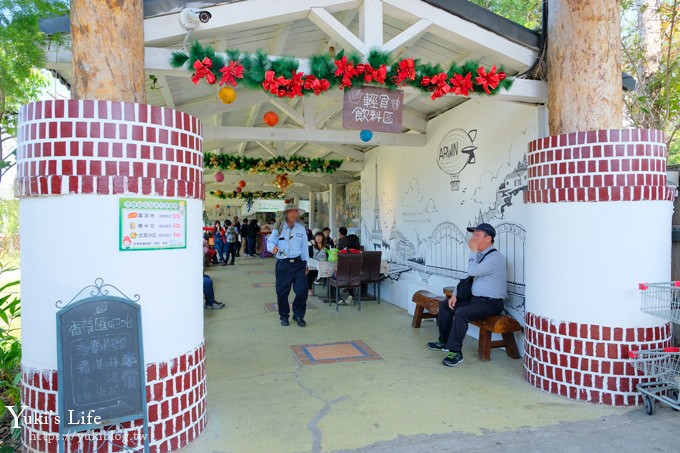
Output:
x=76 y=159
x=599 y=217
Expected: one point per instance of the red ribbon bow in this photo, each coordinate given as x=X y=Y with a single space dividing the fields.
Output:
x=202 y=70
x=462 y=85
x=490 y=80
x=231 y=72
x=316 y=85
x=375 y=75
x=442 y=88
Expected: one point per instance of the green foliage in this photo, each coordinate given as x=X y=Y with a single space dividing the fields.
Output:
x=525 y=12
x=10 y=346
x=293 y=164
x=655 y=103
x=247 y=195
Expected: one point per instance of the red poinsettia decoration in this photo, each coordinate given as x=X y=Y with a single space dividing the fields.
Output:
x=271 y=82
x=347 y=71
x=202 y=70
x=490 y=80
x=462 y=85
x=318 y=86
x=231 y=72
x=406 y=70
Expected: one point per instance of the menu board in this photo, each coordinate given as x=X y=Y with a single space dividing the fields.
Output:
x=101 y=364
x=152 y=224
x=373 y=108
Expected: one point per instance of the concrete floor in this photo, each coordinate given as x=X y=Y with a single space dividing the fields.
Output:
x=261 y=400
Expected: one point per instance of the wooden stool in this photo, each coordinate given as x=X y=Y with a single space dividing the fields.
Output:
x=504 y=325
x=425 y=300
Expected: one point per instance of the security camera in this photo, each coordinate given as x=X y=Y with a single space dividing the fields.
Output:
x=191 y=18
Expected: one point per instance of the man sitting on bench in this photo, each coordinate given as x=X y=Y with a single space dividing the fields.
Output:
x=488 y=276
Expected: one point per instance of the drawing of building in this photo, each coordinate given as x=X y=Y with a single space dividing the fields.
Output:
x=376 y=233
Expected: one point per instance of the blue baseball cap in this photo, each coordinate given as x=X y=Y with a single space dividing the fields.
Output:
x=485 y=227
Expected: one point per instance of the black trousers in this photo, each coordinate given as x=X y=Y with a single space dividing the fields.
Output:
x=453 y=324
x=291 y=274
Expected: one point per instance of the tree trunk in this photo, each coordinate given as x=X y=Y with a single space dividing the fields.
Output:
x=108 y=50
x=584 y=65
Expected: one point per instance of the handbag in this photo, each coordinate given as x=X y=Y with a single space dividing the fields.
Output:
x=464 y=287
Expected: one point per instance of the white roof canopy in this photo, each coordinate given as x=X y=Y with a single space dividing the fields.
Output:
x=312 y=126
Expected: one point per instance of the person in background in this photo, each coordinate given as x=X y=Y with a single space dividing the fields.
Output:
x=252 y=232
x=209 y=295
x=288 y=244
x=237 y=226
x=487 y=267
x=244 y=236
x=231 y=238
x=220 y=241
x=353 y=245
x=208 y=253
x=329 y=240
x=317 y=251
x=342 y=238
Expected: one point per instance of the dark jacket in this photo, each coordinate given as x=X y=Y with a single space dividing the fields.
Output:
x=252 y=230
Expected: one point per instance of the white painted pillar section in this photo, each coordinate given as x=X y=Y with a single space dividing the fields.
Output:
x=542 y=121
x=371 y=24
x=332 y=218
x=311 y=217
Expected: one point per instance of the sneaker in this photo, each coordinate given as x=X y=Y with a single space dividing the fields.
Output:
x=437 y=346
x=218 y=305
x=350 y=300
x=453 y=359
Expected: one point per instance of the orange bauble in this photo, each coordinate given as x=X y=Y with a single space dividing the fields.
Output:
x=242 y=183
x=271 y=119
x=217 y=206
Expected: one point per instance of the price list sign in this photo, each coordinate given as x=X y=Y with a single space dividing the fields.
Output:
x=152 y=224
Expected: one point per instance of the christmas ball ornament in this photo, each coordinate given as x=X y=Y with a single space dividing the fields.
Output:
x=219 y=176
x=228 y=206
x=241 y=183
x=271 y=119
x=239 y=190
x=366 y=135
x=227 y=95
x=217 y=206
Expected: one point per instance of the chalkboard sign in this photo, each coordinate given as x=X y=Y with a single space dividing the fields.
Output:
x=101 y=362
x=373 y=108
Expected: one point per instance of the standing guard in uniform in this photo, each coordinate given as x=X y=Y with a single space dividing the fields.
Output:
x=288 y=244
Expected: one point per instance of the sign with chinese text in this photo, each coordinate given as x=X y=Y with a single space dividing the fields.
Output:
x=152 y=224
x=373 y=108
x=101 y=363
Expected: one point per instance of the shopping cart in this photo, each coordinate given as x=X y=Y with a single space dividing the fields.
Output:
x=661 y=366
x=661 y=300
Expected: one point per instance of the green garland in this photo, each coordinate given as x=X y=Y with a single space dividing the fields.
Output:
x=247 y=195
x=293 y=164
x=279 y=76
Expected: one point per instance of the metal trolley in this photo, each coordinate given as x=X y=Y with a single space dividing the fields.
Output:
x=662 y=366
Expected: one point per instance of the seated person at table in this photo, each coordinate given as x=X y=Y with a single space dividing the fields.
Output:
x=329 y=239
x=487 y=268
x=342 y=238
x=209 y=295
x=208 y=253
x=317 y=251
x=352 y=246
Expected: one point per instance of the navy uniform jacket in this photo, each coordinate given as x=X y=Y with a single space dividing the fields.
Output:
x=292 y=240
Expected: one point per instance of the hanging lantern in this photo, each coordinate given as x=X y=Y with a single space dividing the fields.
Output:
x=366 y=135
x=219 y=176
x=241 y=183
x=227 y=95
x=271 y=119
x=239 y=190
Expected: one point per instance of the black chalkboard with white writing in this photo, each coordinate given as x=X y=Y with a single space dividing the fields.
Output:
x=101 y=363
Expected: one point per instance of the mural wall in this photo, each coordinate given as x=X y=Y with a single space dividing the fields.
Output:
x=472 y=170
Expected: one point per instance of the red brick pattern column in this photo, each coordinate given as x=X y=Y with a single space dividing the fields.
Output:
x=587 y=361
x=175 y=394
x=580 y=360
x=104 y=147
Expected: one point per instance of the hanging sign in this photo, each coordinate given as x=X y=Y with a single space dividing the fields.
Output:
x=373 y=108
x=152 y=224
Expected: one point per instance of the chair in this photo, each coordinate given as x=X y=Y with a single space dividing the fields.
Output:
x=347 y=276
x=370 y=271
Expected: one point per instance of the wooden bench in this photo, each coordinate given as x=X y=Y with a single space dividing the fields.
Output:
x=504 y=325
x=425 y=300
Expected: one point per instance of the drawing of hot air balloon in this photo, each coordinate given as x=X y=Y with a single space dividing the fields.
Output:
x=456 y=151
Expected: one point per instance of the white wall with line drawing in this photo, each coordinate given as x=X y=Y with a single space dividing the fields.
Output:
x=417 y=202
